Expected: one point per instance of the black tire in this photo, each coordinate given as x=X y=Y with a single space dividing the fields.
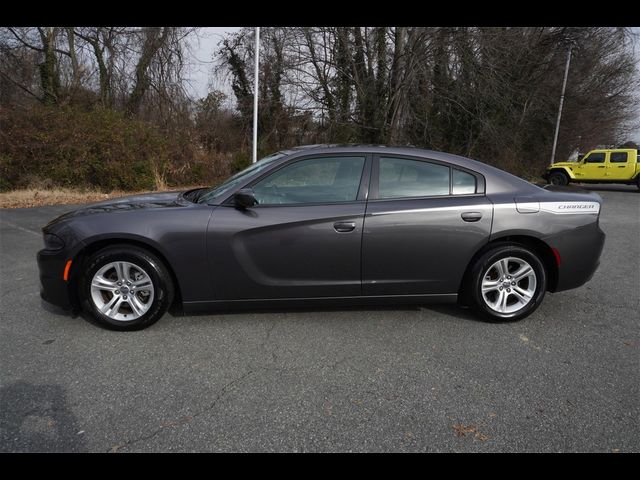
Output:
x=638 y=182
x=558 y=178
x=474 y=285
x=152 y=265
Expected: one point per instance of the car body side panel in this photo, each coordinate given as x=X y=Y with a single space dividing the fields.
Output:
x=285 y=251
x=566 y=221
x=421 y=246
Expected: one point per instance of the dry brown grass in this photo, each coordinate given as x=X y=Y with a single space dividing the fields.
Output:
x=37 y=197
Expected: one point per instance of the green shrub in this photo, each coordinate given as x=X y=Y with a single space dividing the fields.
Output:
x=71 y=147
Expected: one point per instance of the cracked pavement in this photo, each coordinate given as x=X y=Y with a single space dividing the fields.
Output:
x=429 y=378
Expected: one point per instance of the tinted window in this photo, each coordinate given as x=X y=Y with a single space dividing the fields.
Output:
x=618 y=157
x=595 y=158
x=412 y=178
x=213 y=193
x=317 y=180
x=463 y=183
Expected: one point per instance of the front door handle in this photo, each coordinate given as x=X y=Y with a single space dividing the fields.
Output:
x=344 y=227
x=471 y=216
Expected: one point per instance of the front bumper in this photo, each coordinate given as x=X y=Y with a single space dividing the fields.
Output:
x=53 y=288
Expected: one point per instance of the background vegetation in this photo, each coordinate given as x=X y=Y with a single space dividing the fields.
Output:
x=107 y=108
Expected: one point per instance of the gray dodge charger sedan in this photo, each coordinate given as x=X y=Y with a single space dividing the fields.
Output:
x=326 y=225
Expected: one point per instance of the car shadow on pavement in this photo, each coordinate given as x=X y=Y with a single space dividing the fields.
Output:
x=37 y=418
x=461 y=313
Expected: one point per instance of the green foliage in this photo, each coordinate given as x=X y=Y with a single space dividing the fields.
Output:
x=70 y=147
x=96 y=148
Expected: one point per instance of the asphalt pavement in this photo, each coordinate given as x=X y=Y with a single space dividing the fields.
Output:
x=567 y=378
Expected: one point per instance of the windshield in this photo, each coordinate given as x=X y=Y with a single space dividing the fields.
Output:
x=210 y=194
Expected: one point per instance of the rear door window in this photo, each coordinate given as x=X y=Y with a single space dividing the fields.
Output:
x=618 y=157
x=400 y=178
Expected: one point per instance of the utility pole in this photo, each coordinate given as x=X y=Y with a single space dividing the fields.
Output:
x=255 y=96
x=564 y=87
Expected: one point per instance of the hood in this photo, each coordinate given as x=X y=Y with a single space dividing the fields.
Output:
x=128 y=203
x=564 y=164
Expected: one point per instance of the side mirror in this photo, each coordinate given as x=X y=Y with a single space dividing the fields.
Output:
x=245 y=198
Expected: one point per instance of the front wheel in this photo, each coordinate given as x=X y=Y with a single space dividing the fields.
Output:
x=125 y=288
x=507 y=283
x=558 y=178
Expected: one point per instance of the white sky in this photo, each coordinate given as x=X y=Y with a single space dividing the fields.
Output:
x=202 y=68
x=202 y=75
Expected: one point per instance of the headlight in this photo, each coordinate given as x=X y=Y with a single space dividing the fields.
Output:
x=52 y=242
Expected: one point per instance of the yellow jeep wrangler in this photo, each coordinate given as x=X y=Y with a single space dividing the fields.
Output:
x=618 y=165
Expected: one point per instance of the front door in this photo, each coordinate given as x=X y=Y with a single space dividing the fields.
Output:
x=424 y=221
x=592 y=167
x=303 y=239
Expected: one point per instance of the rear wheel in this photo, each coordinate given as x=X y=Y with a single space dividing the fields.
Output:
x=558 y=178
x=125 y=288
x=507 y=283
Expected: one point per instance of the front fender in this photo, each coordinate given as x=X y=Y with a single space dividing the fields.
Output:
x=564 y=170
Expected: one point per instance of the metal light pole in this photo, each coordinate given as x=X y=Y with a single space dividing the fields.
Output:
x=564 y=87
x=255 y=96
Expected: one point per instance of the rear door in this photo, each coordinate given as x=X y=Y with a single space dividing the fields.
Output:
x=424 y=221
x=620 y=166
x=303 y=239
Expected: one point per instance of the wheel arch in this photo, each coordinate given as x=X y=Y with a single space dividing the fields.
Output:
x=564 y=170
x=538 y=246
x=97 y=243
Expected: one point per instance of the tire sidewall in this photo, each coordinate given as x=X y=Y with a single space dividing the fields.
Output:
x=488 y=259
x=149 y=263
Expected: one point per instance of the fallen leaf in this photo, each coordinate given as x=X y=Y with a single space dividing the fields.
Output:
x=462 y=430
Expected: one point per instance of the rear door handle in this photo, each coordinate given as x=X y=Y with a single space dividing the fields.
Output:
x=343 y=227
x=471 y=216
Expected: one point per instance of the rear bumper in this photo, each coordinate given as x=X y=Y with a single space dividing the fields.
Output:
x=580 y=252
x=53 y=288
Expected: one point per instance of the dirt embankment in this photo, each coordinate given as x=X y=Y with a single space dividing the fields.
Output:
x=38 y=197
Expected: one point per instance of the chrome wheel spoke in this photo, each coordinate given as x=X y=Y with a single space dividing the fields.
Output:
x=490 y=285
x=112 y=306
x=501 y=301
x=123 y=270
x=523 y=272
x=143 y=284
x=136 y=305
x=521 y=294
x=104 y=284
